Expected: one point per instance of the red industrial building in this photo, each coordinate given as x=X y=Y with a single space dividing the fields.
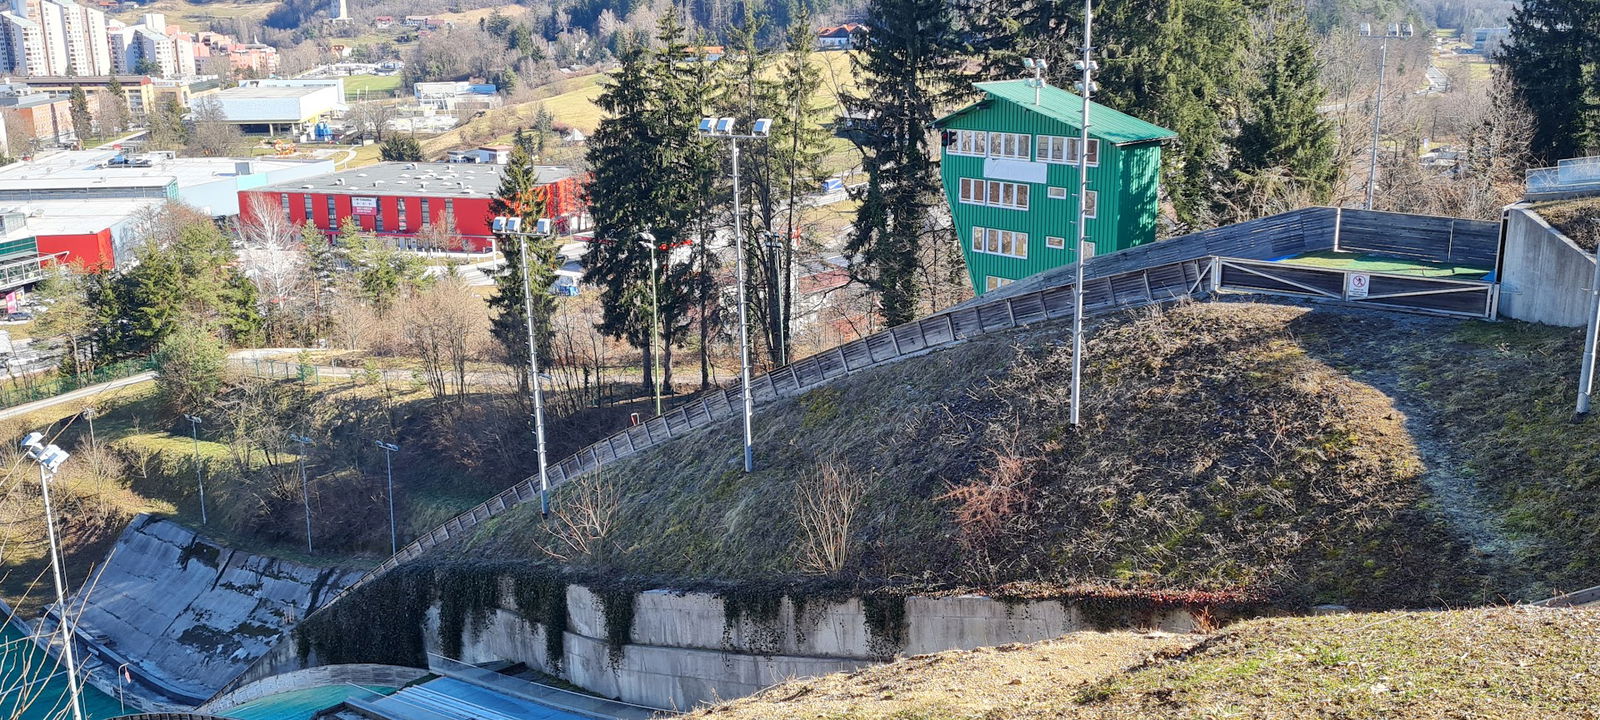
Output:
x=399 y=201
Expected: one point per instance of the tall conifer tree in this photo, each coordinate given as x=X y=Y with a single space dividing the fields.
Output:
x=1553 y=57
x=910 y=67
x=1282 y=133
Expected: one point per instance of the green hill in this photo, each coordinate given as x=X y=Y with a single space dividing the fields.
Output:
x=1258 y=450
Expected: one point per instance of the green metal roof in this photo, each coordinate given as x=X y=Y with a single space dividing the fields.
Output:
x=1104 y=123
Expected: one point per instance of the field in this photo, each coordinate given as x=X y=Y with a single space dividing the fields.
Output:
x=1507 y=663
x=192 y=17
x=370 y=86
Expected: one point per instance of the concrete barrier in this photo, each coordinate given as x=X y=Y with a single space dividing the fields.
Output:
x=684 y=651
x=1544 y=276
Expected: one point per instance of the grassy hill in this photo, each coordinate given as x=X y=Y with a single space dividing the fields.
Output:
x=1491 y=663
x=1371 y=459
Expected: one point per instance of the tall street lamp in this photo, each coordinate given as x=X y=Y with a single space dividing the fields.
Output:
x=1395 y=30
x=305 y=491
x=649 y=240
x=194 y=433
x=505 y=225
x=50 y=458
x=388 y=461
x=722 y=129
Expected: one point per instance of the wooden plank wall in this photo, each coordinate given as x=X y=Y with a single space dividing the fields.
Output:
x=1474 y=243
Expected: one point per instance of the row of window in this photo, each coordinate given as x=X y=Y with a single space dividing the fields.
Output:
x=1057 y=149
x=1014 y=196
x=331 y=220
x=1009 y=243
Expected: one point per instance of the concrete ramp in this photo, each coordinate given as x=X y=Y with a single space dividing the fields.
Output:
x=187 y=614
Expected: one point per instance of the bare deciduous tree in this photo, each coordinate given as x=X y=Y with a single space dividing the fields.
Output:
x=273 y=255
x=446 y=327
x=825 y=507
x=583 y=520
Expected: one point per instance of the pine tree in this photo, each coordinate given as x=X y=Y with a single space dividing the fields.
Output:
x=78 y=109
x=520 y=196
x=401 y=148
x=910 y=67
x=118 y=104
x=647 y=178
x=1553 y=57
x=1282 y=133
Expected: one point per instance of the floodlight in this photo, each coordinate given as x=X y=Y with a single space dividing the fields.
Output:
x=1366 y=30
x=725 y=126
x=1408 y=30
x=386 y=446
x=1027 y=63
x=647 y=239
x=762 y=127
x=1394 y=29
x=303 y=440
x=52 y=457
x=1094 y=87
x=542 y=226
x=708 y=125
x=193 y=419
x=1042 y=63
x=1078 y=65
x=32 y=440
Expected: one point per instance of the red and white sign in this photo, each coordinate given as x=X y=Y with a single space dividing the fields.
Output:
x=1356 y=285
x=364 y=205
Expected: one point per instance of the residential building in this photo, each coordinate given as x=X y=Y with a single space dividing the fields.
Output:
x=840 y=37
x=138 y=91
x=1487 y=41
x=54 y=37
x=1010 y=171
x=155 y=48
x=403 y=202
x=36 y=119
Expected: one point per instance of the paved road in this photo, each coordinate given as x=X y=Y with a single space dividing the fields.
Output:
x=79 y=394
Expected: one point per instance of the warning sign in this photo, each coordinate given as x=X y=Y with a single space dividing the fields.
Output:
x=1356 y=285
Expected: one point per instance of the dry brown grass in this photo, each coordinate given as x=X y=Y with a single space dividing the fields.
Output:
x=1578 y=219
x=1503 y=663
x=957 y=684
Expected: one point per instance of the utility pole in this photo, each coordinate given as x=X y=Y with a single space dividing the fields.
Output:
x=194 y=433
x=1394 y=31
x=305 y=485
x=722 y=129
x=388 y=462
x=1086 y=87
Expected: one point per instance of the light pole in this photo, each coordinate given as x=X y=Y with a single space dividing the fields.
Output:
x=722 y=129
x=88 y=414
x=649 y=240
x=505 y=225
x=305 y=485
x=194 y=433
x=1394 y=31
x=49 y=458
x=388 y=462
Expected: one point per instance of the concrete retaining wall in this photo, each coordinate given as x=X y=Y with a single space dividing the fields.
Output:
x=684 y=652
x=1544 y=277
x=191 y=614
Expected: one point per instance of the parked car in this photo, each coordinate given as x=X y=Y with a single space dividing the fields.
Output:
x=20 y=316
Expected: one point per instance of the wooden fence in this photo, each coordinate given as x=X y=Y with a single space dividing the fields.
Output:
x=1472 y=243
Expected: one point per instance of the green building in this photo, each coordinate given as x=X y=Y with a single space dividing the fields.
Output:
x=1010 y=171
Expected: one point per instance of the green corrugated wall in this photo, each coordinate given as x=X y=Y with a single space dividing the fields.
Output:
x=1126 y=181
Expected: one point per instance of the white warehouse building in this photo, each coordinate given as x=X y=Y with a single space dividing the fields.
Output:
x=275 y=110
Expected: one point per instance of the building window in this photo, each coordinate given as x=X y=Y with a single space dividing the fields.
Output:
x=450 y=214
x=309 y=211
x=377 y=214
x=400 y=210
x=991 y=282
x=994 y=193
x=426 y=218
x=333 y=214
x=1057 y=193
x=1091 y=206
x=1064 y=150
x=1000 y=242
x=970 y=142
x=1055 y=242
x=1009 y=145
x=285 y=204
